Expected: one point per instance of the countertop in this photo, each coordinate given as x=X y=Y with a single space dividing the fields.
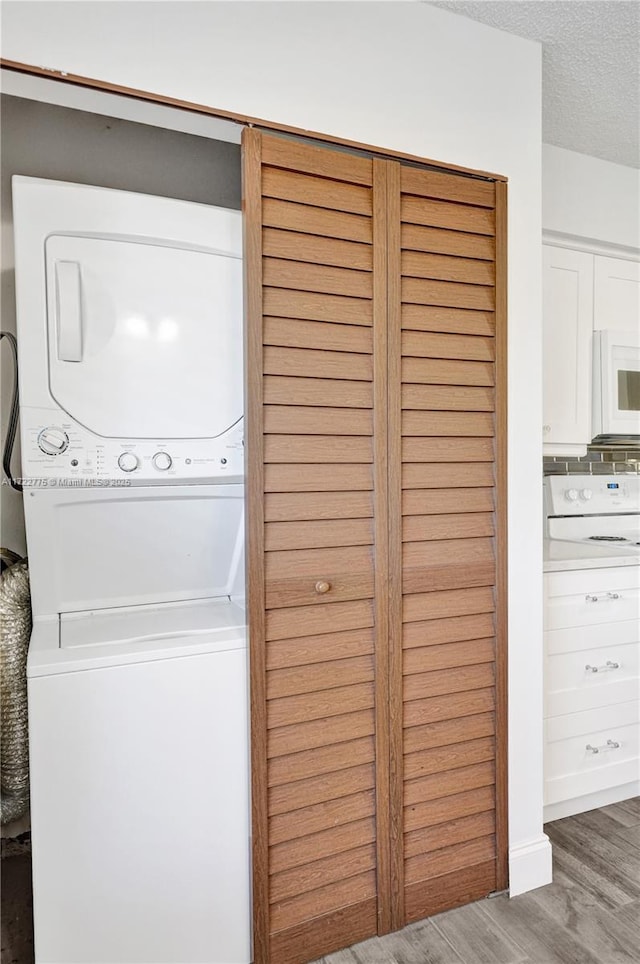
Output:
x=560 y=556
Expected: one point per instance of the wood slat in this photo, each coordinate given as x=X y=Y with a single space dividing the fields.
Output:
x=309 y=248
x=425 y=659
x=433 y=735
x=459 y=602
x=457 y=857
x=312 y=478
x=299 y=276
x=321 y=759
x=447 y=398
x=309 y=535
x=443 y=449
x=338 y=840
x=288 y=740
x=446 y=294
x=292 y=710
x=423 y=762
x=319 y=873
x=435 y=184
x=315 y=306
x=317 y=448
x=419 y=502
x=435 y=632
x=452 y=832
x=285 y=420
x=442 y=267
x=291 y=506
x=458 y=424
x=280 y=390
x=324 y=934
x=433 y=812
x=441 y=553
x=419 y=344
x=302 y=651
x=321 y=816
x=455 y=475
x=322 y=335
x=443 y=578
x=460 y=679
x=295 y=680
x=315 y=564
x=292 y=155
x=457 y=321
x=469 y=525
x=441 y=241
x=449 y=706
x=438 y=785
x=428 y=897
x=317 y=191
x=328 y=786
x=452 y=217
x=317 y=221
x=323 y=900
x=321 y=364
x=425 y=371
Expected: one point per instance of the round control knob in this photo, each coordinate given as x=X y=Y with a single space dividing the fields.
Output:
x=571 y=495
x=53 y=441
x=162 y=461
x=585 y=494
x=128 y=461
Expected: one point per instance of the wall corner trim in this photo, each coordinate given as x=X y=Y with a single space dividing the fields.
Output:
x=530 y=865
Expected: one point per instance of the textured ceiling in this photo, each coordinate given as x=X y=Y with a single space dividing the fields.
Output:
x=590 y=68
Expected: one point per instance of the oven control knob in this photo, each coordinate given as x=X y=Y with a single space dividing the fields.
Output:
x=128 y=461
x=162 y=461
x=53 y=441
x=585 y=494
x=571 y=495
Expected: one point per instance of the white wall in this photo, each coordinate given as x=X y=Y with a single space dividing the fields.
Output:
x=408 y=77
x=590 y=198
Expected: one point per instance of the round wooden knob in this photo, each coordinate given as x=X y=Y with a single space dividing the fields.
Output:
x=323 y=586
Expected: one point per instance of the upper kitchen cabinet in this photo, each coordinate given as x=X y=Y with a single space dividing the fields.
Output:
x=616 y=304
x=567 y=326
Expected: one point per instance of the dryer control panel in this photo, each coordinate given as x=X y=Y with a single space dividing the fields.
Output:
x=59 y=451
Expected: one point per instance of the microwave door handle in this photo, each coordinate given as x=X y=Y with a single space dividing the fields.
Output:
x=69 y=311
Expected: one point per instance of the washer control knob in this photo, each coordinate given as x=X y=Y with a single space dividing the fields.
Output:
x=585 y=494
x=53 y=441
x=571 y=495
x=162 y=461
x=128 y=461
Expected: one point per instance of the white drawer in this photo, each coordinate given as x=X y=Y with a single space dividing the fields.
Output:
x=584 y=638
x=594 y=606
x=591 y=580
x=572 y=770
x=612 y=677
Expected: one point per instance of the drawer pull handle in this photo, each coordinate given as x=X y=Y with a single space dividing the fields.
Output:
x=610 y=664
x=322 y=586
x=594 y=597
x=609 y=745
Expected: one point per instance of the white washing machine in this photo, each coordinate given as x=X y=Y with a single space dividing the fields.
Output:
x=130 y=351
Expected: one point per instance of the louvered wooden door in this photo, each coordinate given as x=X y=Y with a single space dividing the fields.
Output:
x=362 y=406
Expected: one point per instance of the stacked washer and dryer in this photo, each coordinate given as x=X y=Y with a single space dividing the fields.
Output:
x=130 y=351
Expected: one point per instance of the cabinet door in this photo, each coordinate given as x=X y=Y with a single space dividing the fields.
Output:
x=316 y=422
x=616 y=295
x=448 y=628
x=567 y=285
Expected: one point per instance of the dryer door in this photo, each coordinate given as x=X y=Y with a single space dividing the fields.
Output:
x=145 y=338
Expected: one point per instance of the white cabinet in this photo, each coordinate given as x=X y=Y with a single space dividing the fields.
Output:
x=592 y=683
x=616 y=305
x=567 y=331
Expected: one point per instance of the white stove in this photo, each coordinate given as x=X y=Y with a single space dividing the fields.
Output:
x=601 y=513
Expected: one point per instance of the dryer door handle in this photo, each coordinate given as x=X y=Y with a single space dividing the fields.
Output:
x=69 y=311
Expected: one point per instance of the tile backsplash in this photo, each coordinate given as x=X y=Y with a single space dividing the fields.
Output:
x=599 y=460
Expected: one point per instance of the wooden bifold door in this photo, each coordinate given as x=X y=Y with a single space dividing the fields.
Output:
x=375 y=304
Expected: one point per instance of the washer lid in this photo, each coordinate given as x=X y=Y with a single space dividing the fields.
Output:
x=144 y=336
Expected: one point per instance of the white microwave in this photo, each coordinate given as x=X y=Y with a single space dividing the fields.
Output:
x=616 y=385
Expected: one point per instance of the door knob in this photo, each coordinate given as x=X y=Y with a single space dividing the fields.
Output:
x=322 y=586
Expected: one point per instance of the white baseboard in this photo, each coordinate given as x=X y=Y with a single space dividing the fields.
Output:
x=530 y=865
x=590 y=801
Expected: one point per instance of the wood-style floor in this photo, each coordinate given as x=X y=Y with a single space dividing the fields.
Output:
x=590 y=914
